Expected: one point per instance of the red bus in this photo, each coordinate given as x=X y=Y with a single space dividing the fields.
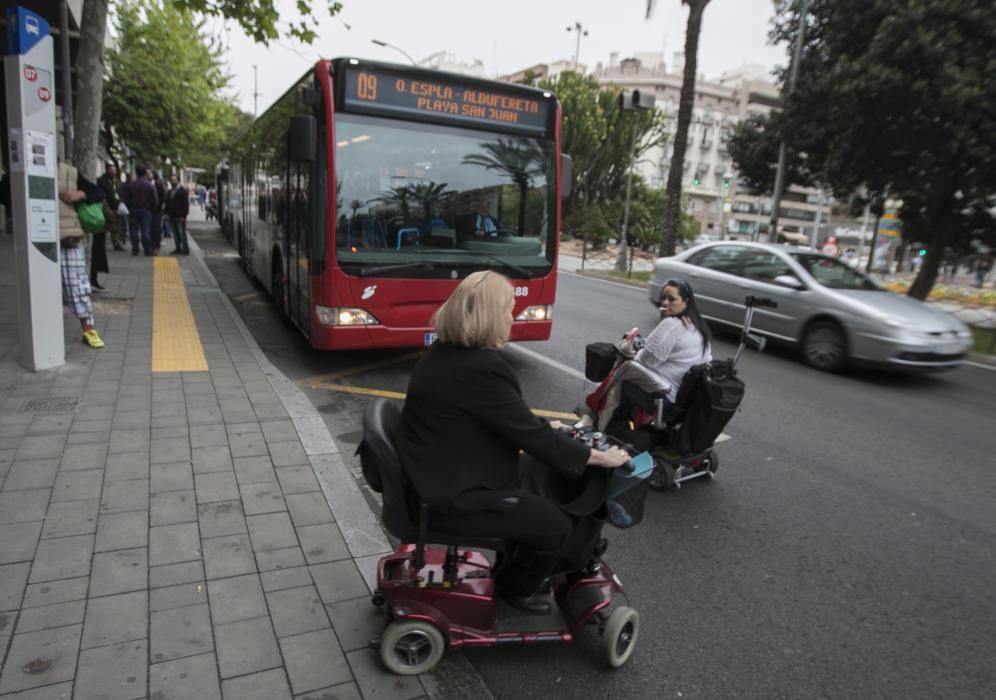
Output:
x=363 y=196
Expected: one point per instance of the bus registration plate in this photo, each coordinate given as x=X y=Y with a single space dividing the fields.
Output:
x=430 y=338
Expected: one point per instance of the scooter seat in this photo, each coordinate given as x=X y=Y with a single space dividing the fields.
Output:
x=401 y=508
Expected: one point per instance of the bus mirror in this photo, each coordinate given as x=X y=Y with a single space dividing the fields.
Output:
x=303 y=139
x=566 y=175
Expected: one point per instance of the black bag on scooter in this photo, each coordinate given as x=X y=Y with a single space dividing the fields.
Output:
x=708 y=397
x=599 y=359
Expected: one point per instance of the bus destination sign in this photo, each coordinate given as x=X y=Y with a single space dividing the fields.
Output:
x=376 y=91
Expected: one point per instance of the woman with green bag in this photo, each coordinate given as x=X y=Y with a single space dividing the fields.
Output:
x=75 y=190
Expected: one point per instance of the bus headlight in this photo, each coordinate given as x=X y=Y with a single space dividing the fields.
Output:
x=541 y=312
x=334 y=316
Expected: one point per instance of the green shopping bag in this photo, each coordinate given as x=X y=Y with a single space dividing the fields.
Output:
x=91 y=217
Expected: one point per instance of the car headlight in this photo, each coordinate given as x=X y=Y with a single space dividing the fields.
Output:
x=894 y=323
x=336 y=316
x=540 y=312
x=964 y=333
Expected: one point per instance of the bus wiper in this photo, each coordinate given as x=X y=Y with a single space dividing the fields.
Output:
x=517 y=269
x=381 y=269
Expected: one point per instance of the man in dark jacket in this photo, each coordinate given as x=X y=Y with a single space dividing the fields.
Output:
x=111 y=185
x=141 y=199
x=177 y=208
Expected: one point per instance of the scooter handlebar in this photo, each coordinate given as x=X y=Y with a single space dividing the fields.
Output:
x=761 y=301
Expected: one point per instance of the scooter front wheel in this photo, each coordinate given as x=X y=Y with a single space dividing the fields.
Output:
x=411 y=647
x=620 y=634
x=662 y=477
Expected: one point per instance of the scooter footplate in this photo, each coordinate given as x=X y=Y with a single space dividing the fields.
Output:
x=509 y=619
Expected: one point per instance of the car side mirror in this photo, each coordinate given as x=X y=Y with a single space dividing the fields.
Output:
x=790 y=281
x=566 y=175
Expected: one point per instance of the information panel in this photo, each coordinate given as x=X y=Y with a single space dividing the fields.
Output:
x=374 y=90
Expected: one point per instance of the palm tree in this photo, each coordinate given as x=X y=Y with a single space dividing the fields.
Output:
x=429 y=195
x=521 y=161
x=672 y=208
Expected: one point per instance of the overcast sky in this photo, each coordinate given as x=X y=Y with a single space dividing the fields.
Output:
x=507 y=35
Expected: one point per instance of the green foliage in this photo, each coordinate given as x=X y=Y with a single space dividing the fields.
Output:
x=258 y=18
x=598 y=137
x=895 y=97
x=162 y=88
x=753 y=145
x=645 y=213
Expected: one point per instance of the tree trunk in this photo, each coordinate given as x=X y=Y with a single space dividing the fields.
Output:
x=927 y=275
x=940 y=220
x=90 y=87
x=672 y=206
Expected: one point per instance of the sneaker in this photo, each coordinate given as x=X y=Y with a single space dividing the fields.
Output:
x=91 y=338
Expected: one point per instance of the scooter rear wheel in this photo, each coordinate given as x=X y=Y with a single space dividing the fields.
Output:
x=411 y=647
x=620 y=634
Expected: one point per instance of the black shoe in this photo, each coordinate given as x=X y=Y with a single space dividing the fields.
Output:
x=96 y=286
x=175 y=252
x=535 y=604
x=118 y=247
x=134 y=253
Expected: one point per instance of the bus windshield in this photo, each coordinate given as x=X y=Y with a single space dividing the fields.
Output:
x=418 y=199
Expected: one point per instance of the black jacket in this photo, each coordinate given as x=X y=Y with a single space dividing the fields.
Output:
x=463 y=424
x=178 y=202
x=112 y=189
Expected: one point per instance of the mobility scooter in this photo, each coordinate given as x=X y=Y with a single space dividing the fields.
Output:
x=438 y=589
x=682 y=437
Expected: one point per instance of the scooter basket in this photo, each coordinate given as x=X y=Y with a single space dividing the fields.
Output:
x=628 y=493
x=599 y=359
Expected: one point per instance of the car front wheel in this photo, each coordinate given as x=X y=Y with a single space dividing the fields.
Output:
x=823 y=346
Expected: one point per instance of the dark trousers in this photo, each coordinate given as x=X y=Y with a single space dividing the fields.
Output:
x=179 y=229
x=141 y=222
x=157 y=229
x=544 y=538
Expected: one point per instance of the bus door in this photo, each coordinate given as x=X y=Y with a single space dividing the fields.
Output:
x=298 y=239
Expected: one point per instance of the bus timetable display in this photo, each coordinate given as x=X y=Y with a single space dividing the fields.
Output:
x=374 y=91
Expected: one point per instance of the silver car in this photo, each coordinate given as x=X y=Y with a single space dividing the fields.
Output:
x=831 y=311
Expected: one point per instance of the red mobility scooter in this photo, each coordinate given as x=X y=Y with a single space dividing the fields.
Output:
x=438 y=590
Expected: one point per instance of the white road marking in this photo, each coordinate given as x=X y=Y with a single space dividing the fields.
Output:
x=991 y=368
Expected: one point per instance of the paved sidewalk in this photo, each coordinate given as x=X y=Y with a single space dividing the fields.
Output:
x=188 y=535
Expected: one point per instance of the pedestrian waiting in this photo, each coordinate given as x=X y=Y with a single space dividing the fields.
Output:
x=75 y=190
x=177 y=209
x=141 y=199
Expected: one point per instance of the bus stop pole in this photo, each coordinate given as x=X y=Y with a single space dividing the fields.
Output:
x=29 y=72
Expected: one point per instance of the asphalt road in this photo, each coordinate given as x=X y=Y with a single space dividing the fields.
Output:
x=846 y=548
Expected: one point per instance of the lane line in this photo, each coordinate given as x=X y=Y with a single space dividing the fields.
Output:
x=176 y=344
x=319 y=378
x=364 y=391
x=980 y=365
x=549 y=361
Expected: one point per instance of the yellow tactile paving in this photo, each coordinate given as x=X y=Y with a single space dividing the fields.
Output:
x=176 y=344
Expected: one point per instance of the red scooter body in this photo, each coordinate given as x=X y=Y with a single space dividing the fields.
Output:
x=464 y=606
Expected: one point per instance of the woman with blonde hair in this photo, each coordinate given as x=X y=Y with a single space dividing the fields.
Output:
x=464 y=424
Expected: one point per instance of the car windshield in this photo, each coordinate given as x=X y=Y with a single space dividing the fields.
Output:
x=410 y=192
x=833 y=273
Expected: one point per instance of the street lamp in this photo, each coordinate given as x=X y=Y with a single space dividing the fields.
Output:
x=581 y=31
x=398 y=49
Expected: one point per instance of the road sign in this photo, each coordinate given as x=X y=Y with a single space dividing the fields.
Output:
x=29 y=68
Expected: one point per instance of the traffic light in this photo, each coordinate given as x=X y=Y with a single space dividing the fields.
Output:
x=726 y=183
x=696 y=180
x=923 y=251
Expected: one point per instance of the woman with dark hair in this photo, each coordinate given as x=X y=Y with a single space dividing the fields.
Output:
x=678 y=343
